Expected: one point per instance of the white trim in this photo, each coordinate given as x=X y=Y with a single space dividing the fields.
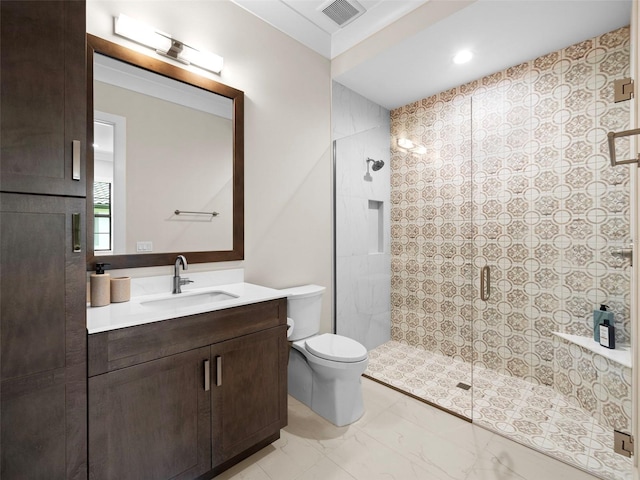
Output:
x=119 y=198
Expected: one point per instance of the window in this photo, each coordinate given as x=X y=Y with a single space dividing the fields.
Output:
x=101 y=216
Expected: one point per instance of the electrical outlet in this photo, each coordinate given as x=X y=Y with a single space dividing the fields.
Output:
x=144 y=247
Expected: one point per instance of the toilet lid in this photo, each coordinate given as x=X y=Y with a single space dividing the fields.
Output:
x=336 y=348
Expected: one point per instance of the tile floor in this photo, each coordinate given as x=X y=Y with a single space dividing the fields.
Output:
x=398 y=438
x=533 y=415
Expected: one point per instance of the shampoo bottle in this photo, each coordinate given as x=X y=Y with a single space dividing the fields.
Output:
x=600 y=316
x=607 y=335
x=100 y=286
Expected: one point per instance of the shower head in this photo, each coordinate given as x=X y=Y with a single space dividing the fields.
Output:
x=377 y=164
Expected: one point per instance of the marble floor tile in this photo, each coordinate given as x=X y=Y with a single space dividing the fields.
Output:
x=438 y=455
x=325 y=469
x=290 y=458
x=405 y=439
x=364 y=457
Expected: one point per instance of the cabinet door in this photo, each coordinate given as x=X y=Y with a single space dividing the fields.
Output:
x=42 y=338
x=151 y=421
x=249 y=392
x=43 y=96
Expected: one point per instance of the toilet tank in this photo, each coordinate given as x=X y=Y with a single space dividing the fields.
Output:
x=304 y=305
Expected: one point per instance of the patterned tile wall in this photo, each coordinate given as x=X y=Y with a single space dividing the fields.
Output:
x=516 y=177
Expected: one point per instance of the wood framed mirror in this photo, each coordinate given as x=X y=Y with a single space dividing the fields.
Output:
x=179 y=189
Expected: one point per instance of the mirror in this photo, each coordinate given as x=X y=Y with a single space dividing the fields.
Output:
x=165 y=174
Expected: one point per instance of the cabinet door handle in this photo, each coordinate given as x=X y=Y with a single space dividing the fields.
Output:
x=218 y=371
x=75 y=232
x=207 y=376
x=75 y=157
x=485 y=283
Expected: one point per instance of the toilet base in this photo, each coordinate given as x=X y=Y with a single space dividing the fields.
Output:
x=337 y=400
x=333 y=393
x=300 y=385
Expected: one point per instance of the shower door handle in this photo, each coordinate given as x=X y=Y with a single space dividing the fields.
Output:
x=485 y=283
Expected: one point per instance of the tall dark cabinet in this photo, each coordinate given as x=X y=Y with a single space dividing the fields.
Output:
x=43 y=408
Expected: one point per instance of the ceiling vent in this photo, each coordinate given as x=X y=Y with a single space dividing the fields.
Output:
x=342 y=11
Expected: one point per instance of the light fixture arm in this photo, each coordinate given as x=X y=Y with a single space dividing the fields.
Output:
x=174 y=52
x=176 y=49
x=165 y=45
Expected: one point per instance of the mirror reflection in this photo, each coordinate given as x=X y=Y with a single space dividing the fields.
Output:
x=190 y=158
x=160 y=146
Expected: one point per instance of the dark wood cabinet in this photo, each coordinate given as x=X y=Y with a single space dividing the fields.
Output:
x=43 y=96
x=189 y=397
x=151 y=420
x=43 y=397
x=246 y=392
x=42 y=339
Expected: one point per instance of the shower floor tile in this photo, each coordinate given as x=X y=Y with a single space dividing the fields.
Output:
x=534 y=415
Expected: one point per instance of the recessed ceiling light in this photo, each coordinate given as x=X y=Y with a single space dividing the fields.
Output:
x=463 y=56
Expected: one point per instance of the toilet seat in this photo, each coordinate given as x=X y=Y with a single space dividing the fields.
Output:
x=336 y=348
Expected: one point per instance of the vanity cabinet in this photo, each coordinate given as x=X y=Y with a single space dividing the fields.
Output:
x=248 y=406
x=188 y=397
x=43 y=96
x=43 y=339
x=151 y=420
x=43 y=408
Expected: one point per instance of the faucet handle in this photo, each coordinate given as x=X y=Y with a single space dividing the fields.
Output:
x=185 y=281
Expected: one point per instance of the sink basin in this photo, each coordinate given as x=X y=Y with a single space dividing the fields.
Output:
x=182 y=300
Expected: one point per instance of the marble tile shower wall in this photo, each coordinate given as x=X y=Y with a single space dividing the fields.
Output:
x=361 y=130
x=517 y=177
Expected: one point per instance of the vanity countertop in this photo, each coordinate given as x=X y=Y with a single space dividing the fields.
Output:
x=134 y=312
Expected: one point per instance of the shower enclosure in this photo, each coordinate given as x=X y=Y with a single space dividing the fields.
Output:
x=502 y=239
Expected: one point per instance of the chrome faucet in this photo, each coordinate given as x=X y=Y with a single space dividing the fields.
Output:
x=177 y=281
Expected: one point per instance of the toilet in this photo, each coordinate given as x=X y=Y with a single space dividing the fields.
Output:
x=324 y=370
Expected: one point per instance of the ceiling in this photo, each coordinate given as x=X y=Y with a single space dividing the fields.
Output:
x=404 y=48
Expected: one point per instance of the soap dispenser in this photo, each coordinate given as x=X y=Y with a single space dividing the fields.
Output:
x=607 y=334
x=600 y=316
x=100 y=286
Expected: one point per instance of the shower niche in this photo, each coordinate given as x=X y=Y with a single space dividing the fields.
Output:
x=376 y=227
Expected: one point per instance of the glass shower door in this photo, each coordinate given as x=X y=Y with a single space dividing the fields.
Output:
x=552 y=218
x=432 y=284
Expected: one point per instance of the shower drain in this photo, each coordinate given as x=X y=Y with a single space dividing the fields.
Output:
x=463 y=386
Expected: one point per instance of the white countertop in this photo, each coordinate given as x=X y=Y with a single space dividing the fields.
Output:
x=132 y=313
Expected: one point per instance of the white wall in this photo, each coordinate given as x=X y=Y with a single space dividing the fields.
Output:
x=288 y=226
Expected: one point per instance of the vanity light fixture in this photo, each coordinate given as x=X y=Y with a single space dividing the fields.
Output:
x=164 y=44
x=414 y=148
